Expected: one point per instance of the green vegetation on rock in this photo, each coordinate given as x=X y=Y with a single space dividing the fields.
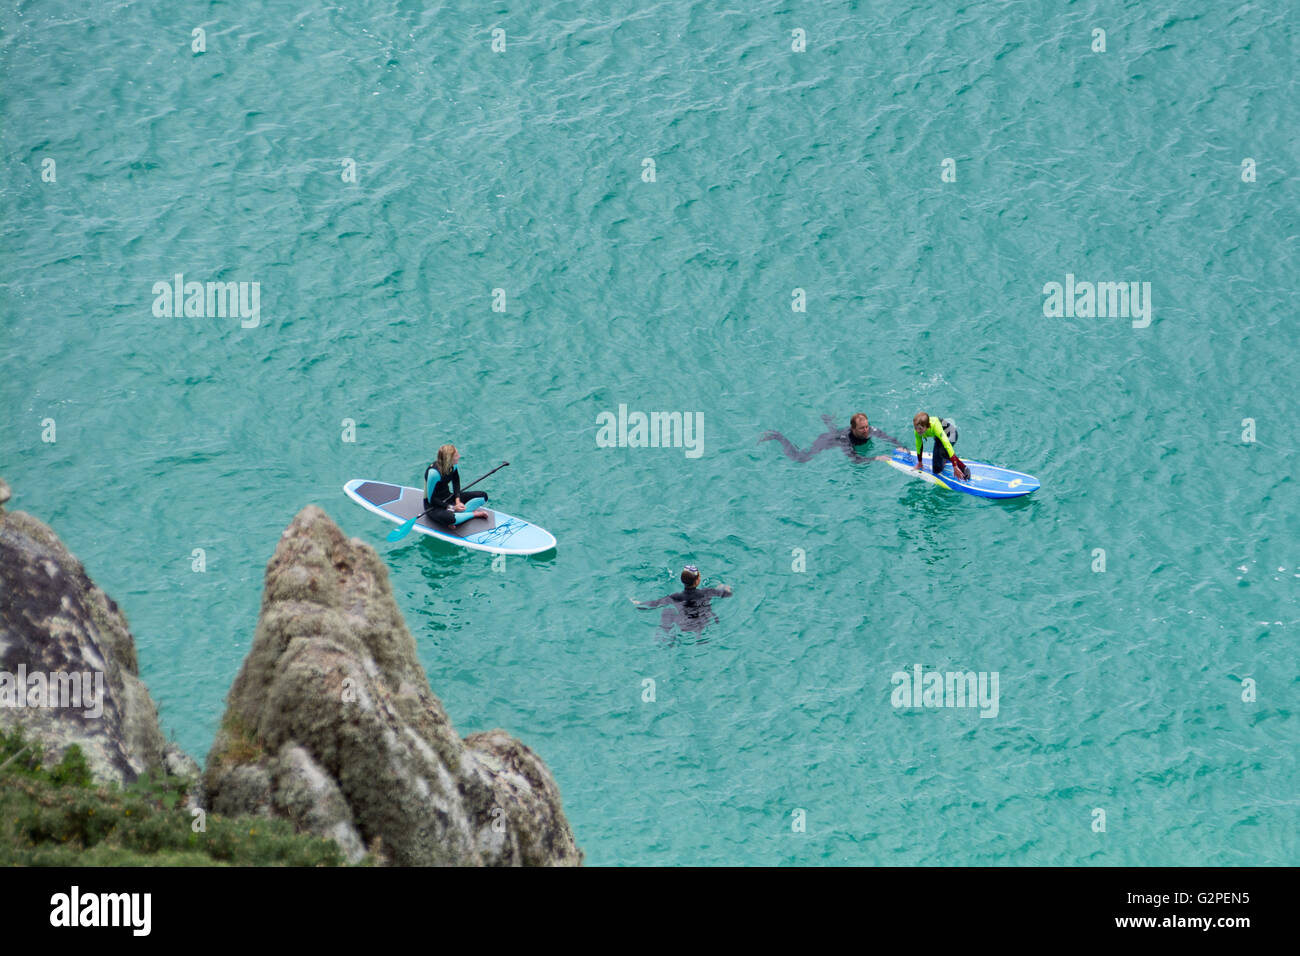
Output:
x=57 y=816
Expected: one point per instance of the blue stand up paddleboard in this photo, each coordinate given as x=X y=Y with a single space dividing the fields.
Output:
x=498 y=533
x=986 y=481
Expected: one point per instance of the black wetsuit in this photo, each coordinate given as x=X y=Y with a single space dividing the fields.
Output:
x=833 y=438
x=445 y=493
x=689 y=609
x=939 y=454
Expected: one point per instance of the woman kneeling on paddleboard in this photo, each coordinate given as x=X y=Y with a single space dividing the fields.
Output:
x=442 y=489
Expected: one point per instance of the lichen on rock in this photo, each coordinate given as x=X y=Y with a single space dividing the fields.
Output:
x=55 y=621
x=331 y=723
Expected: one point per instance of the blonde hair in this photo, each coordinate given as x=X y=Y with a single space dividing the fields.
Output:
x=446 y=454
x=920 y=420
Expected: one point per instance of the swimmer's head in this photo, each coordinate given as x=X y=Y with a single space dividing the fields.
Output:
x=691 y=576
x=920 y=422
x=859 y=425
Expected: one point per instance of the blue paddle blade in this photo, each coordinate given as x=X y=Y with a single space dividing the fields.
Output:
x=397 y=534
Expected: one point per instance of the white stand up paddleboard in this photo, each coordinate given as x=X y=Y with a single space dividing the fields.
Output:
x=498 y=533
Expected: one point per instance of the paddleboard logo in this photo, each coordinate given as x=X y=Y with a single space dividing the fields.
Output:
x=1102 y=300
x=80 y=689
x=653 y=430
x=946 y=689
x=208 y=300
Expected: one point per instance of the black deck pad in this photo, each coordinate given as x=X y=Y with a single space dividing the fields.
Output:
x=379 y=493
x=412 y=503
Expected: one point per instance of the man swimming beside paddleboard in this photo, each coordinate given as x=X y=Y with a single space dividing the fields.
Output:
x=442 y=490
x=853 y=440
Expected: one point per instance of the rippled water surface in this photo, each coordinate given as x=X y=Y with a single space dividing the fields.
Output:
x=773 y=171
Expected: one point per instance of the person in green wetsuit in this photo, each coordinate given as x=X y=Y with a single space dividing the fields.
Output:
x=944 y=434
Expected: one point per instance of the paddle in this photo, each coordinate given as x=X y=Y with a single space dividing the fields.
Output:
x=401 y=532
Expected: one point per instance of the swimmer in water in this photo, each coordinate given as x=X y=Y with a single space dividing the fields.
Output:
x=853 y=440
x=689 y=608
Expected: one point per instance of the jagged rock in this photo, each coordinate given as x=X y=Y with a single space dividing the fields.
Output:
x=178 y=763
x=539 y=830
x=304 y=791
x=331 y=723
x=54 y=620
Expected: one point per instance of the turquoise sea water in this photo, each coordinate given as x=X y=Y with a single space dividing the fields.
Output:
x=1120 y=689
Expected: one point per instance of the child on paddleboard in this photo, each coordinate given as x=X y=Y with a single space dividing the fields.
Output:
x=944 y=434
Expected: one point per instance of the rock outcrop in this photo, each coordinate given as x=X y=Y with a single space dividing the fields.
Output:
x=58 y=631
x=331 y=724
